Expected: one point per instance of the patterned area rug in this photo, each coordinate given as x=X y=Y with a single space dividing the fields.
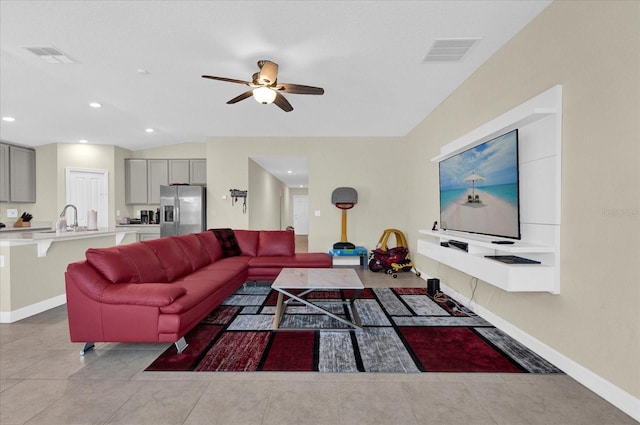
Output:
x=404 y=330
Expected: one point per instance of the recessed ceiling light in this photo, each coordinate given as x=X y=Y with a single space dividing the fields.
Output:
x=8 y=119
x=149 y=130
x=142 y=71
x=95 y=105
x=83 y=141
x=289 y=172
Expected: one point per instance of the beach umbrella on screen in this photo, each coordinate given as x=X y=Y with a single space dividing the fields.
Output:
x=473 y=178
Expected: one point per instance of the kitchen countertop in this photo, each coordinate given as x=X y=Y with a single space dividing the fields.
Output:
x=35 y=226
x=9 y=229
x=37 y=236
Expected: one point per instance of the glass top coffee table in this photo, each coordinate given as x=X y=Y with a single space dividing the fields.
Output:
x=310 y=280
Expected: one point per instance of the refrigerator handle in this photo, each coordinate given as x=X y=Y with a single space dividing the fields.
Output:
x=176 y=202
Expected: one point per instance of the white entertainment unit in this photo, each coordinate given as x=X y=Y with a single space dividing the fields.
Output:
x=539 y=124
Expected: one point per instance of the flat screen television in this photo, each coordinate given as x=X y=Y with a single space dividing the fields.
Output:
x=479 y=190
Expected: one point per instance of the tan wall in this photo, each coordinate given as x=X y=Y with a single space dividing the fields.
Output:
x=362 y=163
x=177 y=151
x=28 y=279
x=96 y=157
x=51 y=161
x=265 y=198
x=591 y=48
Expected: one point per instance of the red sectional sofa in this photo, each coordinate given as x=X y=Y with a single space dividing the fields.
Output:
x=158 y=290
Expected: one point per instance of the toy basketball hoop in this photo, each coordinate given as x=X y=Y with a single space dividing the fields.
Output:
x=344 y=198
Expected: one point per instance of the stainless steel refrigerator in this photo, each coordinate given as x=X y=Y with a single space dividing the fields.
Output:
x=183 y=209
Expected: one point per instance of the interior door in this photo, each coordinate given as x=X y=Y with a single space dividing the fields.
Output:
x=87 y=190
x=301 y=214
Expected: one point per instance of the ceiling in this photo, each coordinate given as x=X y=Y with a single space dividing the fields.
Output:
x=143 y=61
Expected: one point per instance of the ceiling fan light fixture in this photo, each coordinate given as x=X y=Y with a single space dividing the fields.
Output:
x=264 y=95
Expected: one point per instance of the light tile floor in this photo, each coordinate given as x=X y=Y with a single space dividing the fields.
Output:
x=44 y=380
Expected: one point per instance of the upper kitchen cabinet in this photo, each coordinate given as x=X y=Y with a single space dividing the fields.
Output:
x=135 y=181
x=178 y=171
x=198 y=171
x=143 y=177
x=158 y=176
x=4 y=173
x=18 y=174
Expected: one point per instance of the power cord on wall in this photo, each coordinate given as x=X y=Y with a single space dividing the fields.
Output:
x=473 y=289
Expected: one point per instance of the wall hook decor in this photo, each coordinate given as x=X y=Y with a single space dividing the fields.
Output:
x=235 y=194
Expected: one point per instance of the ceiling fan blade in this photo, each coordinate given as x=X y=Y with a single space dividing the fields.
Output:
x=243 y=96
x=268 y=72
x=283 y=103
x=228 y=80
x=299 y=89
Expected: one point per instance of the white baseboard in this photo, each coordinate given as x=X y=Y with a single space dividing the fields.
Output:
x=605 y=389
x=32 y=310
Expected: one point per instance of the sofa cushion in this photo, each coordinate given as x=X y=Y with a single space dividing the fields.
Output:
x=173 y=260
x=228 y=242
x=146 y=262
x=267 y=261
x=211 y=245
x=311 y=260
x=112 y=265
x=133 y=263
x=276 y=243
x=194 y=250
x=248 y=241
x=197 y=291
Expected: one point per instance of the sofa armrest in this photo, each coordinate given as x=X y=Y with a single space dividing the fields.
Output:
x=147 y=294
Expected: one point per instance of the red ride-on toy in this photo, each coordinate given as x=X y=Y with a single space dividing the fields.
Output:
x=391 y=260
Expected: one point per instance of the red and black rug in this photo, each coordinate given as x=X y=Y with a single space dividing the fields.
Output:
x=404 y=330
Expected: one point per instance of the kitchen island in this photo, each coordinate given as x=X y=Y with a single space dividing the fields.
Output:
x=33 y=263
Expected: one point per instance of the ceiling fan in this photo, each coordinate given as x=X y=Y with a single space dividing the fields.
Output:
x=266 y=89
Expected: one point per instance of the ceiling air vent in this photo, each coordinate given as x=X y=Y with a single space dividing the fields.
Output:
x=51 y=54
x=449 y=50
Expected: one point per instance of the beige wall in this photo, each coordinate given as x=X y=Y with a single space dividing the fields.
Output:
x=177 y=151
x=264 y=203
x=95 y=157
x=362 y=163
x=591 y=48
x=51 y=161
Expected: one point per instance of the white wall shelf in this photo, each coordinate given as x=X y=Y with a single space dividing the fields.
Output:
x=508 y=277
x=539 y=124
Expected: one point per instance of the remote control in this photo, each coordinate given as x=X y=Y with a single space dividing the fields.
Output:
x=503 y=242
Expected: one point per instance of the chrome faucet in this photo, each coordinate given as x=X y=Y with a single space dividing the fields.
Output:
x=75 y=215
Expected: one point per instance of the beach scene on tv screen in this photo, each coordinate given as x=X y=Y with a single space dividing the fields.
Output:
x=479 y=189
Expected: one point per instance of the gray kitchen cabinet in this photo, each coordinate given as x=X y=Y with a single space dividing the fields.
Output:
x=135 y=178
x=158 y=175
x=143 y=177
x=178 y=171
x=4 y=173
x=22 y=174
x=198 y=171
